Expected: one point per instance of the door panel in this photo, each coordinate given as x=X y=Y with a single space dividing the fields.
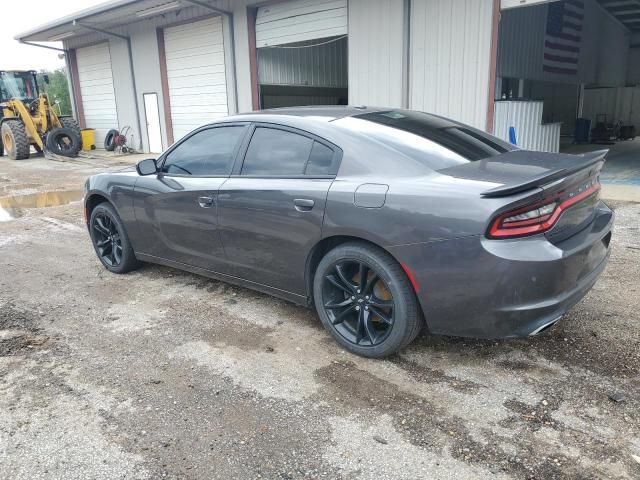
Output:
x=268 y=226
x=152 y=115
x=178 y=223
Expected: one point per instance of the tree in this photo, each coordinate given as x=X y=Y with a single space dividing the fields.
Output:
x=57 y=89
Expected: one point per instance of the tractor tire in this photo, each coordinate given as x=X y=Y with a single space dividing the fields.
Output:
x=15 y=140
x=64 y=142
x=71 y=124
x=110 y=140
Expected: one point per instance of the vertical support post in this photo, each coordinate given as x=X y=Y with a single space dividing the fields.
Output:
x=75 y=87
x=493 y=65
x=164 y=80
x=252 y=14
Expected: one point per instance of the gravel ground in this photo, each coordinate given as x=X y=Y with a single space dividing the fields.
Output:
x=164 y=374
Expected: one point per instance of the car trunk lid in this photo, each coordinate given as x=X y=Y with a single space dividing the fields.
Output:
x=563 y=191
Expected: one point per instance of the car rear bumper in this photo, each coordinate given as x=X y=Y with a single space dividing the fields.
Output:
x=477 y=287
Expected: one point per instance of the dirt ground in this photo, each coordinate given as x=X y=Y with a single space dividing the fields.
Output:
x=164 y=374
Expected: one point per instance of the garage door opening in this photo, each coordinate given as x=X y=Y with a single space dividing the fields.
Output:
x=301 y=49
x=312 y=72
x=565 y=73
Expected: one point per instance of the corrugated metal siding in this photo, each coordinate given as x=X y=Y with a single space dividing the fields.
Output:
x=196 y=74
x=602 y=52
x=300 y=20
x=321 y=66
x=521 y=42
x=619 y=104
x=272 y=101
x=450 y=58
x=376 y=52
x=96 y=88
x=526 y=118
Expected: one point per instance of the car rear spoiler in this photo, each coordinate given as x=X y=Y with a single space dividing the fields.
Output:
x=582 y=162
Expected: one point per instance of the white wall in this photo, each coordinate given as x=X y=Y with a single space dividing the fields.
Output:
x=451 y=58
x=377 y=52
x=125 y=99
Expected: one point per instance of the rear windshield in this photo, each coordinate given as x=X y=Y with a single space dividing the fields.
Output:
x=434 y=141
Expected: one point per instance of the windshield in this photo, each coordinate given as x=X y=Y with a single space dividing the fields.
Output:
x=20 y=85
x=434 y=141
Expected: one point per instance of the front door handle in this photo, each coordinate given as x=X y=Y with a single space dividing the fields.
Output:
x=206 y=202
x=303 y=204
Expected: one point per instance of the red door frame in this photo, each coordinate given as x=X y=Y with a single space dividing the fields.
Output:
x=493 y=65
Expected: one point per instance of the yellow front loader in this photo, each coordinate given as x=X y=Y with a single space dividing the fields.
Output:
x=28 y=119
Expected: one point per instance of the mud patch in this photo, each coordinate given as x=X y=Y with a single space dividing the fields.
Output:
x=428 y=375
x=19 y=331
x=431 y=427
x=15 y=345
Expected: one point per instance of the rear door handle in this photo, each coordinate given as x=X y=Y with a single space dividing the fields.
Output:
x=206 y=202
x=303 y=204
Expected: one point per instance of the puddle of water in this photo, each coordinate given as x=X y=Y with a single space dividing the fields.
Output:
x=10 y=206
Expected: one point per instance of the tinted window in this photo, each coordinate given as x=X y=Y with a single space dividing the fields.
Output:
x=434 y=141
x=322 y=161
x=208 y=152
x=276 y=152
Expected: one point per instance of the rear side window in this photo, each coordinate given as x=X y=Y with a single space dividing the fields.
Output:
x=322 y=161
x=208 y=152
x=434 y=141
x=277 y=152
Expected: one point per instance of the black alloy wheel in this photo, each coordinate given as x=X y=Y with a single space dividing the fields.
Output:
x=365 y=300
x=108 y=240
x=358 y=303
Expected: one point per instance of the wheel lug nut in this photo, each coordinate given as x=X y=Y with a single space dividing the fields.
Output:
x=357 y=308
x=353 y=298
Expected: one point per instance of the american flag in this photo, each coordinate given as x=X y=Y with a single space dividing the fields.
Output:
x=563 y=37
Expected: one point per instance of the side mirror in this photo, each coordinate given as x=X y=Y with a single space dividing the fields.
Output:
x=147 y=167
x=46 y=78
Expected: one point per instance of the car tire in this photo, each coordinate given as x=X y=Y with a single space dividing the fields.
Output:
x=110 y=140
x=110 y=240
x=353 y=313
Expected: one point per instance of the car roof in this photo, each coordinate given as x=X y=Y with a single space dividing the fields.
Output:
x=328 y=112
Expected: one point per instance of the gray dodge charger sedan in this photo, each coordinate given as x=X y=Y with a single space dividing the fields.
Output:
x=387 y=221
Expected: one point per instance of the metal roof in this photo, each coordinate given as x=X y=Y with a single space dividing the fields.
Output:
x=115 y=13
x=627 y=12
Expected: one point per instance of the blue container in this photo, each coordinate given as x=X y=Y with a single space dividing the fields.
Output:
x=582 y=131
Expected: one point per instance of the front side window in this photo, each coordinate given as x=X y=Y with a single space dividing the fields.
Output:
x=207 y=153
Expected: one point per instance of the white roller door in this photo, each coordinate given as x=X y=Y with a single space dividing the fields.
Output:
x=196 y=74
x=96 y=89
x=300 y=20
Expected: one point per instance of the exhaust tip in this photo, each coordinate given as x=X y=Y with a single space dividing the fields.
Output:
x=545 y=326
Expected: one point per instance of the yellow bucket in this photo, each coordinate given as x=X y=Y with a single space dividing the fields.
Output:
x=88 y=139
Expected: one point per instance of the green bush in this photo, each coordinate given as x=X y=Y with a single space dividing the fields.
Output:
x=57 y=89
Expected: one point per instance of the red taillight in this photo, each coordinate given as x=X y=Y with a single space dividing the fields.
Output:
x=537 y=218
